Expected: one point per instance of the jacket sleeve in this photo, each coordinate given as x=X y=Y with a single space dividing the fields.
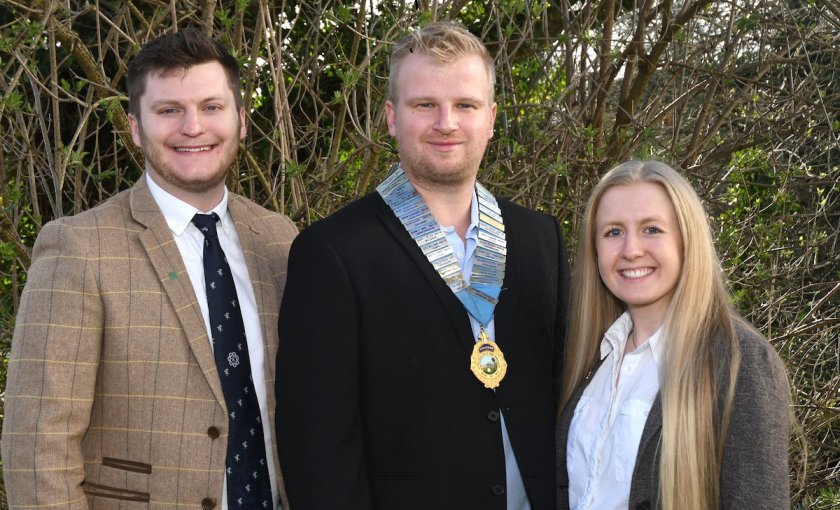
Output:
x=52 y=374
x=318 y=419
x=755 y=461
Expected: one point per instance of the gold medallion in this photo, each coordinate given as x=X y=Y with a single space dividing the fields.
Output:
x=487 y=361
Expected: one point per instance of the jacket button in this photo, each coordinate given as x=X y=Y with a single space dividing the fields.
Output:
x=208 y=504
x=213 y=432
x=498 y=489
x=643 y=505
x=493 y=416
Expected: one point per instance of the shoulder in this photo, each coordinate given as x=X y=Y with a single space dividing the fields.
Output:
x=523 y=215
x=113 y=209
x=362 y=208
x=762 y=385
x=247 y=213
x=352 y=223
x=68 y=247
x=758 y=357
x=528 y=224
x=111 y=217
x=350 y=239
x=539 y=231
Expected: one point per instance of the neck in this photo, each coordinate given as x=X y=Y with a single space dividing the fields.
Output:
x=644 y=326
x=204 y=200
x=450 y=205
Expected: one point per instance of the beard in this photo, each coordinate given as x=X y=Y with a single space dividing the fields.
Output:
x=446 y=172
x=154 y=155
x=428 y=173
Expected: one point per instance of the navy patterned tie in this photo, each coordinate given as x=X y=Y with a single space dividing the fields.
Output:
x=246 y=466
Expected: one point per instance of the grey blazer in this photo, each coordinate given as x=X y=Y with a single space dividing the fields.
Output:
x=755 y=458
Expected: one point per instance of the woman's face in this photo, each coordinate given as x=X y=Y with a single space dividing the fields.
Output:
x=639 y=247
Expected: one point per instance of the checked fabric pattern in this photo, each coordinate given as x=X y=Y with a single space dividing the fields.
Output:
x=248 y=484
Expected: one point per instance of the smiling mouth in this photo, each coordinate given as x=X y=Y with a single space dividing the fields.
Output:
x=194 y=149
x=636 y=273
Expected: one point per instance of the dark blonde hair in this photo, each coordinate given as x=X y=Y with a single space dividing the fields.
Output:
x=697 y=331
x=444 y=41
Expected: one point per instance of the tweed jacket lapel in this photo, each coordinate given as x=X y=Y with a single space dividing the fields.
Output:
x=248 y=234
x=253 y=241
x=453 y=306
x=164 y=256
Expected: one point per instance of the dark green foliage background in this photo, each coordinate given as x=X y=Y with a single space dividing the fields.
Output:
x=743 y=95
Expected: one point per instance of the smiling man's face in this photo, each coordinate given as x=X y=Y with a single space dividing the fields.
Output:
x=189 y=130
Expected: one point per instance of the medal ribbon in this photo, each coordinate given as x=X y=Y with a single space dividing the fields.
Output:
x=481 y=295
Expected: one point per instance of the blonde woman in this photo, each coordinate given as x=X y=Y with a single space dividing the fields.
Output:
x=670 y=399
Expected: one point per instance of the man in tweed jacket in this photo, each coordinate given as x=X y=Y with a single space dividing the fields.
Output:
x=113 y=399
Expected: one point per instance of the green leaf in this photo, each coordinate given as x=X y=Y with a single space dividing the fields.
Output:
x=13 y=101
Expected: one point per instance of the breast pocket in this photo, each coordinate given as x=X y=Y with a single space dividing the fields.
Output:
x=630 y=422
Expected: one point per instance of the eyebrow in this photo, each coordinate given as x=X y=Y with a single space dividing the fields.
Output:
x=178 y=102
x=646 y=219
x=431 y=99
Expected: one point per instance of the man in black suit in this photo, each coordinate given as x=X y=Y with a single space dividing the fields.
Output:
x=422 y=329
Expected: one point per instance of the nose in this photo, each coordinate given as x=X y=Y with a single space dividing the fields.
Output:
x=632 y=246
x=446 y=121
x=192 y=126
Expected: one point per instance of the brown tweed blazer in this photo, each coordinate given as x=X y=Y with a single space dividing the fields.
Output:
x=112 y=397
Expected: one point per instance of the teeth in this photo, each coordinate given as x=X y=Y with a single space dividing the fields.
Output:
x=193 y=149
x=636 y=273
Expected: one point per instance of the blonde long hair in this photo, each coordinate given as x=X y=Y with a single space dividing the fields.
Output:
x=697 y=331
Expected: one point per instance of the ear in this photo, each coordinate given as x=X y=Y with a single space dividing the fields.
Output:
x=134 y=124
x=243 y=130
x=492 y=119
x=391 y=115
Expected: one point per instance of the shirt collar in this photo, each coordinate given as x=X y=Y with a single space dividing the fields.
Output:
x=472 y=229
x=615 y=338
x=179 y=214
x=655 y=342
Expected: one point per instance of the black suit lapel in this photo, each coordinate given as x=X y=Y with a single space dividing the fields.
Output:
x=508 y=306
x=453 y=306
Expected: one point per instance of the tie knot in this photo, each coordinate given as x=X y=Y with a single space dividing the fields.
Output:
x=206 y=223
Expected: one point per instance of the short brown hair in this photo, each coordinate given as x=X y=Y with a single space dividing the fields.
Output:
x=178 y=51
x=443 y=41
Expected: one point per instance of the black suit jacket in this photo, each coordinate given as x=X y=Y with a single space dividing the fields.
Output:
x=376 y=404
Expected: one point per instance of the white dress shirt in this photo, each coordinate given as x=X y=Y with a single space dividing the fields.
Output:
x=609 y=418
x=517 y=499
x=190 y=242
